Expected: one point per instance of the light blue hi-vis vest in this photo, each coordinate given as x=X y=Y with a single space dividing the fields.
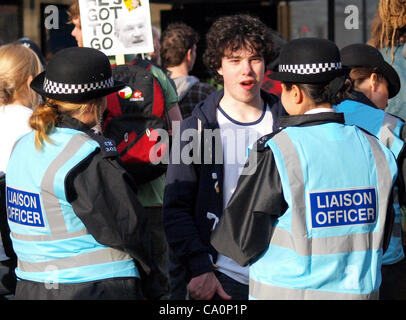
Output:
x=336 y=181
x=387 y=129
x=51 y=242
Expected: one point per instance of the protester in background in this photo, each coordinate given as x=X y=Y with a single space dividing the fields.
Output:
x=74 y=18
x=389 y=36
x=374 y=82
x=18 y=66
x=79 y=194
x=288 y=219
x=150 y=194
x=238 y=49
x=178 y=55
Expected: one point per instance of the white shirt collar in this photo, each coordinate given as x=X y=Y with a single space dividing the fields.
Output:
x=319 y=110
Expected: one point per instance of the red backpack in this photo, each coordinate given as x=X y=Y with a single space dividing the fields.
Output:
x=131 y=118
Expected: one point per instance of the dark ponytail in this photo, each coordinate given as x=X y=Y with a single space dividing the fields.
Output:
x=332 y=92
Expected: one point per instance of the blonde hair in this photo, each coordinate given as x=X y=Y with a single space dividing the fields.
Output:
x=17 y=64
x=45 y=117
x=388 y=27
x=74 y=12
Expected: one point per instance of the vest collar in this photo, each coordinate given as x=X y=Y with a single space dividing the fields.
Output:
x=66 y=121
x=360 y=97
x=311 y=119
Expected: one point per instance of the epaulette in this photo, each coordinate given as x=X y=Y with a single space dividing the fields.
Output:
x=107 y=146
x=260 y=144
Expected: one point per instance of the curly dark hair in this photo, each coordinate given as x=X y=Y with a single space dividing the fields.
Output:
x=176 y=40
x=235 y=32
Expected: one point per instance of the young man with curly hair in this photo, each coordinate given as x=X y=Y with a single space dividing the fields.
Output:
x=178 y=56
x=227 y=123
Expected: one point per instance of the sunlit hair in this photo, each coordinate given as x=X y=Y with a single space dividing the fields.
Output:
x=17 y=64
x=389 y=25
x=176 y=40
x=74 y=12
x=45 y=116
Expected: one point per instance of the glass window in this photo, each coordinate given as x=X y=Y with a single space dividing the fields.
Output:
x=309 y=19
x=353 y=19
x=10 y=21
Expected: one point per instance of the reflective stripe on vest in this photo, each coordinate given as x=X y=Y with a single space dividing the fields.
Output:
x=257 y=289
x=96 y=257
x=387 y=137
x=50 y=201
x=297 y=239
x=394 y=253
x=387 y=129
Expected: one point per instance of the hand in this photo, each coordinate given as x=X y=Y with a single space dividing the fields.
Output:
x=204 y=286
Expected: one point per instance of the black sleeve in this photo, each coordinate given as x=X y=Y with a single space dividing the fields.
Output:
x=390 y=218
x=245 y=228
x=102 y=195
x=181 y=189
x=4 y=227
x=401 y=180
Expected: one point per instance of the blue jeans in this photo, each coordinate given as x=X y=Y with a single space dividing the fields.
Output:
x=177 y=278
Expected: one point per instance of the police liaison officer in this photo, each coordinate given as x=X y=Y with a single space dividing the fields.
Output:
x=374 y=82
x=76 y=225
x=312 y=220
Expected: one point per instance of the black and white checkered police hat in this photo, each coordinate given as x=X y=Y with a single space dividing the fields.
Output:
x=77 y=75
x=309 y=60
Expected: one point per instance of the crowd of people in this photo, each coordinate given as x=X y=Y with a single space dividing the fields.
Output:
x=294 y=190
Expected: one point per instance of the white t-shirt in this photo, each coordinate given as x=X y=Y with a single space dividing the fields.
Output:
x=13 y=124
x=236 y=138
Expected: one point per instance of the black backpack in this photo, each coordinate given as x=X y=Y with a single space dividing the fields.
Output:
x=131 y=118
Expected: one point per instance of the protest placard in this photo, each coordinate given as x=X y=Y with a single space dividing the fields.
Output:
x=116 y=27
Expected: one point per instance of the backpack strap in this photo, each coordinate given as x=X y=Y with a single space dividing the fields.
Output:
x=142 y=63
x=200 y=135
x=199 y=146
x=148 y=65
